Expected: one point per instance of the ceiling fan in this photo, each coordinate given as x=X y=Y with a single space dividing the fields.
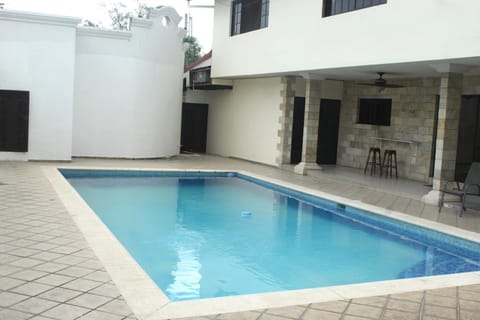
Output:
x=380 y=82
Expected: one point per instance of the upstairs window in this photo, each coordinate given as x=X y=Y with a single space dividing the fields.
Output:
x=375 y=111
x=200 y=76
x=249 y=15
x=332 y=7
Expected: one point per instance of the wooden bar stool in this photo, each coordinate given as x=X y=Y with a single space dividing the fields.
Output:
x=376 y=160
x=390 y=162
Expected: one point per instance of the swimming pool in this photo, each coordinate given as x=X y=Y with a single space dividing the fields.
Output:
x=209 y=245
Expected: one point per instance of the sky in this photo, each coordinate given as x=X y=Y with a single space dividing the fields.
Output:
x=96 y=11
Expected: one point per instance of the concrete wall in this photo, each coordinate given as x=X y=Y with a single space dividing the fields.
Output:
x=37 y=54
x=243 y=122
x=299 y=39
x=128 y=90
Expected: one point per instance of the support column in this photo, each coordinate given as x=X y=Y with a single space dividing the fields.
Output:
x=447 y=133
x=310 y=129
x=284 y=146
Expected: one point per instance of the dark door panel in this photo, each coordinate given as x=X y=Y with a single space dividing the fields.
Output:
x=328 y=125
x=14 y=113
x=297 y=130
x=194 y=128
x=468 y=146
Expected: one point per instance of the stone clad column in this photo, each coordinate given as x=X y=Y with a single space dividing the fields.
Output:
x=287 y=94
x=447 y=133
x=310 y=129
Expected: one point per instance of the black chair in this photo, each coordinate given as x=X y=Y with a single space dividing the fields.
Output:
x=471 y=187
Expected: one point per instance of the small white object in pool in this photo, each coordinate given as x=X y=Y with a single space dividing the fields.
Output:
x=230 y=174
x=246 y=213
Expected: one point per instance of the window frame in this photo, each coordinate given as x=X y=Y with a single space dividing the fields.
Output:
x=379 y=111
x=239 y=13
x=335 y=7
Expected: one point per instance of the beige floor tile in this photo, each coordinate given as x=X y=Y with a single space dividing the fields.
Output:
x=267 y=316
x=75 y=271
x=98 y=315
x=100 y=276
x=8 y=314
x=34 y=305
x=363 y=311
x=116 y=306
x=8 y=283
x=351 y=317
x=469 y=305
x=399 y=315
x=440 y=312
x=50 y=267
x=90 y=301
x=314 y=314
x=106 y=289
x=469 y=295
x=247 y=315
x=409 y=296
x=443 y=301
x=31 y=288
x=25 y=262
x=81 y=285
x=445 y=292
x=6 y=270
x=60 y=294
x=468 y=315
x=403 y=305
x=54 y=279
x=371 y=301
x=28 y=275
x=8 y=298
x=65 y=312
x=293 y=312
x=334 y=306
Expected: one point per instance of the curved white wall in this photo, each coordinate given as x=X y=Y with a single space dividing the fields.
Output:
x=298 y=38
x=128 y=90
x=37 y=54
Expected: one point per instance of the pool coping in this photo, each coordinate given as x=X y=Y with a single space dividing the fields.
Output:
x=148 y=302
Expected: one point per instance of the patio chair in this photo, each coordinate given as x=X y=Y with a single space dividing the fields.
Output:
x=471 y=187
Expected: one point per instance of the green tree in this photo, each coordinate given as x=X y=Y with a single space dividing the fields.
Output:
x=120 y=14
x=89 y=23
x=193 y=51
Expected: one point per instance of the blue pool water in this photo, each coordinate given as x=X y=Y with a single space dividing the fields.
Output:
x=203 y=235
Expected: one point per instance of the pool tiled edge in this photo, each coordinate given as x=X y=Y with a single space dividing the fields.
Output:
x=148 y=302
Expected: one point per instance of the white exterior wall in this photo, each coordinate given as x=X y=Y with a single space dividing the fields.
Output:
x=299 y=39
x=128 y=90
x=244 y=122
x=37 y=54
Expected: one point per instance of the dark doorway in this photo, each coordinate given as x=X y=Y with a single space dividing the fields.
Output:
x=194 y=128
x=468 y=146
x=328 y=125
x=434 y=136
x=297 y=130
x=14 y=110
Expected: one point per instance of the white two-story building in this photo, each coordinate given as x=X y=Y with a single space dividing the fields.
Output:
x=320 y=82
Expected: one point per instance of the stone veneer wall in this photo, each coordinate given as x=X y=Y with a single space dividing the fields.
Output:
x=412 y=117
x=287 y=95
x=471 y=85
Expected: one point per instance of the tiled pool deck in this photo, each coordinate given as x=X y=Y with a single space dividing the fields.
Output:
x=48 y=271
